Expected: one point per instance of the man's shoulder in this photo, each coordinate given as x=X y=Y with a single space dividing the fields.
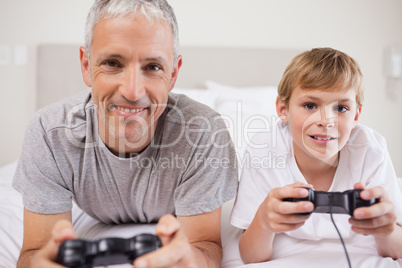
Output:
x=184 y=110
x=70 y=112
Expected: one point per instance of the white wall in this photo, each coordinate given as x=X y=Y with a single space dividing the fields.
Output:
x=361 y=28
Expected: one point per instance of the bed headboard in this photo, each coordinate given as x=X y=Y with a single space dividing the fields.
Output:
x=59 y=73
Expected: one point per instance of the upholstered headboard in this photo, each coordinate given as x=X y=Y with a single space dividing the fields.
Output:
x=59 y=73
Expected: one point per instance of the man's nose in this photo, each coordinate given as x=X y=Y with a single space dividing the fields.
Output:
x=132 y=84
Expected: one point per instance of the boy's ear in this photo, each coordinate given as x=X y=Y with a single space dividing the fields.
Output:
x=358 y=113
x=86 y=75
x=281 y=110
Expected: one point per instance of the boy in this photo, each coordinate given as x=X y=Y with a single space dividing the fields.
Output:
x=319 y=103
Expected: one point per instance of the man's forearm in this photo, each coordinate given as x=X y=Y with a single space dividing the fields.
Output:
x=207 y=254
x=25 y=258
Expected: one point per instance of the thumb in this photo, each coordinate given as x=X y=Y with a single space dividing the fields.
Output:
x=62 y=231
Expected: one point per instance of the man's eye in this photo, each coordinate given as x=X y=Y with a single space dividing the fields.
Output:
x=111 y=64
x=153 y=67
x=309 y=106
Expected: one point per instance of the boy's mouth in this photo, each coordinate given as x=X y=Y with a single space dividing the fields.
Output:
x=322 y=138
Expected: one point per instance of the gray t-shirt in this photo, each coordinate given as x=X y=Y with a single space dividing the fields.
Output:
x=188 y=169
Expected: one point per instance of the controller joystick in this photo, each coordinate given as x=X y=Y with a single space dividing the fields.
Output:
x=336 y=202
x=106 y=251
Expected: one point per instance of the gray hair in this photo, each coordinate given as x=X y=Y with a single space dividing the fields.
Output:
x=150 y=9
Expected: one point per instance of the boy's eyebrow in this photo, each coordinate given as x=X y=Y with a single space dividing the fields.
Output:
x=313 y=98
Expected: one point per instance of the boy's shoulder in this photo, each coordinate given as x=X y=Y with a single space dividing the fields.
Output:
x=363 y=135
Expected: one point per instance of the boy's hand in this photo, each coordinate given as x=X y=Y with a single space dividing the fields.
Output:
x=280 y=216
x=378 y=219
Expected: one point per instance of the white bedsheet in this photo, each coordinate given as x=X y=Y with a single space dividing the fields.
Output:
x=329 y=254
x=304 y=254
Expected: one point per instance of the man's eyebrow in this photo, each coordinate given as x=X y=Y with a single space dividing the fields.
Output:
x=156 y=59
x=104 y=56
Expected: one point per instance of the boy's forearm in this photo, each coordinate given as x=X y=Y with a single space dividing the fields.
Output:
x=391 y=245
x=256 y=243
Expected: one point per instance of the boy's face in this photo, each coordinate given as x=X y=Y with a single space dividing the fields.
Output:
x=320 y=121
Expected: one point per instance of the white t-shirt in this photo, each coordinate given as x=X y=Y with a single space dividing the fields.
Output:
x=270 y=163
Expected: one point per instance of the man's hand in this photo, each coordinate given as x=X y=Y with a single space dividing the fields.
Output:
x=176 y=250
x=46 y=256
x=192 y=241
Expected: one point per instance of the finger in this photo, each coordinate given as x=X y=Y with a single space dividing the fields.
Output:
x=285 y=227
x=376 y=192
x=167 y=225
x=62 y=231
x=376 y=210
x=290 y=192
x=300 y=207
x=359 y=185
x=374 y=223
x=47 y=256
x=168 y=255
x=383 y=230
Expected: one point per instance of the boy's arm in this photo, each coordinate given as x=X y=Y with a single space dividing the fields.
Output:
x=273 y=216
x=39 y=249
x=379 y=220
x=390 y=245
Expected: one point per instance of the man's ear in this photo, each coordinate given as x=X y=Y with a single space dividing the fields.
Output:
x=175 y=73
x=86 y=74
x=357 y=116
x=281 y=110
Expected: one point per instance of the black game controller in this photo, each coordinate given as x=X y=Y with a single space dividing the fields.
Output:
x=336 y=202
x=106 y=251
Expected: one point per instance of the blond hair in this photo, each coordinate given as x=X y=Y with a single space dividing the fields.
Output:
x=322 y=68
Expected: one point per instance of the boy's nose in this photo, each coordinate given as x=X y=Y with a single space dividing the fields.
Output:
x=328 y=118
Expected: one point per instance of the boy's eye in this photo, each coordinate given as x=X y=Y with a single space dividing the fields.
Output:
x=341 y=109
x=309 y=106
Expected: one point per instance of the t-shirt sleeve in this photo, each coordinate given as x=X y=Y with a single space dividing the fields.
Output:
x=253 y=189
x=37 y=176
x=211 y=177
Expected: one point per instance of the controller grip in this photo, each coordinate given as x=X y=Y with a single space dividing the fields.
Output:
x=108 y=251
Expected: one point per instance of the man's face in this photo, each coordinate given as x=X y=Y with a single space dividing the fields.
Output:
x=131 y=73
x=321 y=121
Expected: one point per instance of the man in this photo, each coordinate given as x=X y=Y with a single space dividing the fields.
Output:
x=128 y=151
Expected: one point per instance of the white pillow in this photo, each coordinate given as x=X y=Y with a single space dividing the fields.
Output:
x=246 y=110
x=205 y=96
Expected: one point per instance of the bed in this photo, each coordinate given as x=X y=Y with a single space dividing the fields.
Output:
x=239 y=83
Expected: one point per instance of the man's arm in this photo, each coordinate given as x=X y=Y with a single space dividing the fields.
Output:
x=204 y=234
x=38 y=233
x=192 y=241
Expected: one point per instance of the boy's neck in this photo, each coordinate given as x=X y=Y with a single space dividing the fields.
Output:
x=316 y=172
